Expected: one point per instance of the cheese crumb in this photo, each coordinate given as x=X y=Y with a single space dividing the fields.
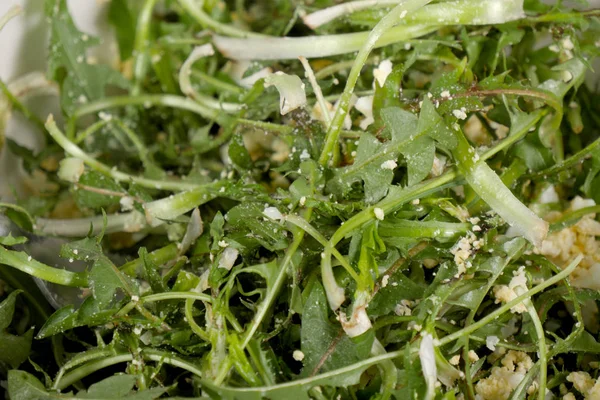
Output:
x=389 y=164
x=379 y=213
x=445 y=94
x=473 y=356
x=385 y=280
x=460 y=114
x=455 y=360
x=298 y=355
x=503 y=380
x=517 y=285
x=582 y=238
x=491 y=342
x=382 y=72
x=403 y=308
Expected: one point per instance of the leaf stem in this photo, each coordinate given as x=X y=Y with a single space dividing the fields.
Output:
x=141 y=45
x=25 y=263
x=542 y=349
x=194 y=9
x=75 y=151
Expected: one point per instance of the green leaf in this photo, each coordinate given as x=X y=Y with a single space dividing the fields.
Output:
x=64 y=319
x=11 y=241
x=419 y=156
x=151 y=272
x=114 y=386
x=105 y=279
x=124 y=22
x=95 y=200
x=24 y=386
x=238 y=152
x=18 y=215
x=586 y=343
x=432 y=124
x=14 y=350
x=248 y=226
x=376 y=179
x=399 y=288
x=325 y=345
x=81 y=81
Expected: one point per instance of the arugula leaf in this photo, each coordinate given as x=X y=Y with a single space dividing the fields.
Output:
x=325 y=345
x=14 y=350
x=81 y=81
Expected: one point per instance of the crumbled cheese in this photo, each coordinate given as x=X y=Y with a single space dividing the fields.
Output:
x=382 y=72
x=503 y=380
x=517 y=285
x=460 y=114
x=364 y=105
x=549 y=195
x=567 y=43
x=473 y=356
x=305 y=155
x=379 y=213
x=135 y=298
x=439 y=163
x=389 y=164
x=445 y=94
x=584 y=384
x=298 y=355
x=403 y=308
x=581 y=238
x=223 y=243
x=385 y=280
x=491 y=342
x=302 y=200
x=455 y=360
x=462 y=250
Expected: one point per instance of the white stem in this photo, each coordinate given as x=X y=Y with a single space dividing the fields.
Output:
x=317 y=89
x=321 y=17
x=419 y=23
x=335 y=294
x=287 y=48
x=185 y=83
x=492 y=190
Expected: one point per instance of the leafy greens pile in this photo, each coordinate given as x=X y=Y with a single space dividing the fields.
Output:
x=311 y=199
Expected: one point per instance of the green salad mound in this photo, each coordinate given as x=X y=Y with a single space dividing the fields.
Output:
x=294 y=199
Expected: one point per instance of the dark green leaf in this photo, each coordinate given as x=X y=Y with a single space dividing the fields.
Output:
x=325 y=345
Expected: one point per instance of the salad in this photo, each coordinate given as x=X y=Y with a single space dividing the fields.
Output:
x=393 y=199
